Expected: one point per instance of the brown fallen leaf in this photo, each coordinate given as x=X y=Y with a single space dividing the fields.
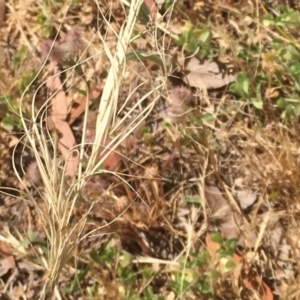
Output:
x=33 y=173
x=221 y=209
x=112 y=160
x=232 y=222
x=65 y=143
x=206 y=74
x=5 y=250
x=252 y=282
x=79 y=105
x=6 y=264
x=152 y=7
x=59 y=106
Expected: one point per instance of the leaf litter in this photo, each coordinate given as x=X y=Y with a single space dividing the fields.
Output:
x=162 y=167
x=206 y=75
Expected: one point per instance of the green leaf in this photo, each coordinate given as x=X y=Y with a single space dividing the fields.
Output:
x=230 y=265
x=257 y=103
x=231 y=244
x=205 y=287
x=217 y=237
x=208 y=117
x=245 y=85
x=127 y=259
x=268 y=21
x=214 y=275
x=281 y=103
x=105 y=254
x=205 y=36
x=290 y=19
x=192 y=199
x=241 y=85
x=11 y=121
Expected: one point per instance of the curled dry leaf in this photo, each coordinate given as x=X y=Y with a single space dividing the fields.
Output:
x=206 y=74
x=255 y=283
x=272 y=93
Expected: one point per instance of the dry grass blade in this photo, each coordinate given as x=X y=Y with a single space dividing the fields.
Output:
x=109 y=99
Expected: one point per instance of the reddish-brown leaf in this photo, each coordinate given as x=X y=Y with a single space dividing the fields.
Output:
x=6 y=264
x=59 y=105
x=79 y=105
x=65 y=143
x=113 y=158
x=254 y=282
x=152 y=7
x=5 y=250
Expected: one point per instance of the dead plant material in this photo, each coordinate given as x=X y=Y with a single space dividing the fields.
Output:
x=6 y=264
x=220 y=208
x=5 y=250
x=151 y=4
x=206 y=75
x=112 y=159
x=255 y=283
x=79 y=105
x=232 y=222
x=59 y=106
